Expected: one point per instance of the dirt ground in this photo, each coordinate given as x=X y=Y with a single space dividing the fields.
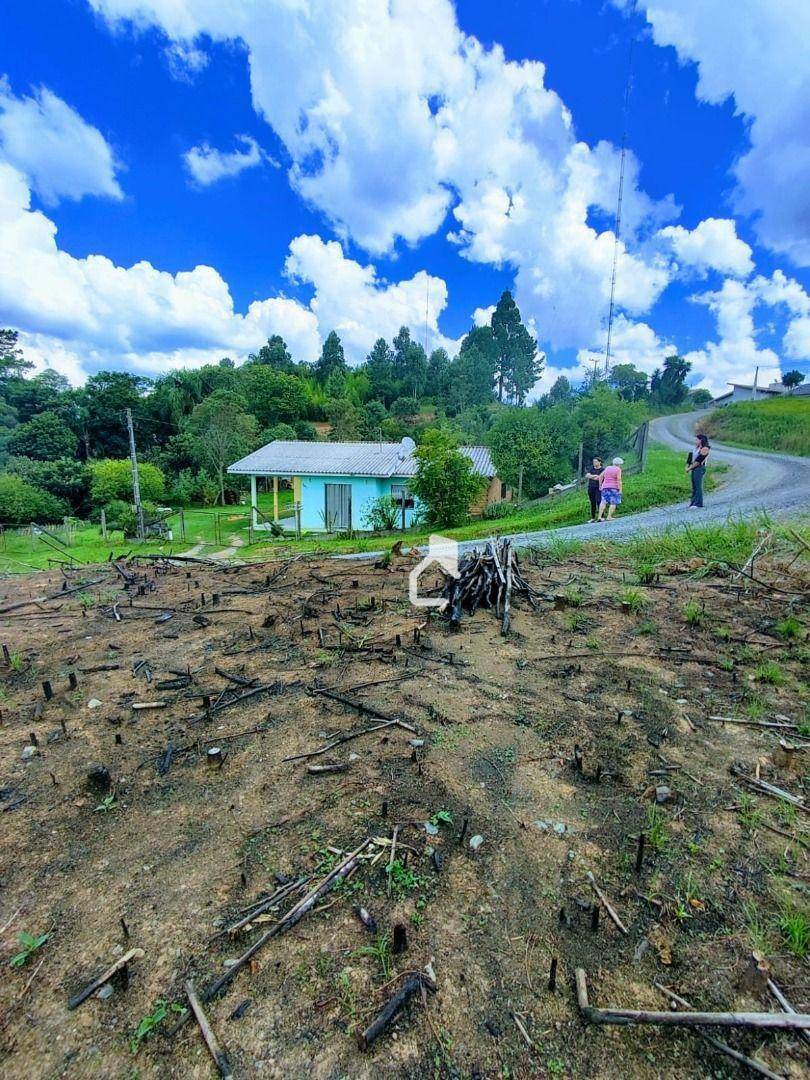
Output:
x=549 y=744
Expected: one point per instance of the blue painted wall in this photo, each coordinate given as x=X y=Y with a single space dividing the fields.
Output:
x=365 y=489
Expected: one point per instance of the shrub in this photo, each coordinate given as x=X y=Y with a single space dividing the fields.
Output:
x=66 y=478
x=46 y=437
x=497 y=510
x=382 y=515
x=22 y=503
x=111 y=479
x=444 y=481
x=194 y=487
x=121 y=515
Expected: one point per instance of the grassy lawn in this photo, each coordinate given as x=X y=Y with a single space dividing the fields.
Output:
x=781 y=423
x=664 y=481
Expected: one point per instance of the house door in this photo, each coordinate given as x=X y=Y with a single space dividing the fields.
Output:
x=338 y=509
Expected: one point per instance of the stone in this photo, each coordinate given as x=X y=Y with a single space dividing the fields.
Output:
x=559 y=828
x=431 y=830
x=543 y=826
x=476 y=842
x=99 y=781
x=93 y=703
x=416 y=743
x=28 y=752
x=662 y=793
x=105 y=992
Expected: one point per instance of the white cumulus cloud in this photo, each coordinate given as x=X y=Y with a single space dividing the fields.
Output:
x=206 y=165
x=62 y=155
x=712 y=245
x=755 y=52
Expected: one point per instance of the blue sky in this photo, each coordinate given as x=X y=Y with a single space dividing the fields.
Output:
x=345 y=167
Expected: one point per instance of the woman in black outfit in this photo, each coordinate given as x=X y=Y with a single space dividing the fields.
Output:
x=593 y=485
x=697 y=470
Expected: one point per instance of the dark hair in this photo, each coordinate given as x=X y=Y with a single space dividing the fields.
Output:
x=703 y=440
x=596 y=458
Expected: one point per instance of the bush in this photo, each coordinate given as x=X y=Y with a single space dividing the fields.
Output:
x=382 y=515
x=111 y=479
x=22 y=503
x=305 y=431
x=66 y=478
x=45 y=437
x=444 y=481
x=498 y=510
x=194 y=487
x=121 y=515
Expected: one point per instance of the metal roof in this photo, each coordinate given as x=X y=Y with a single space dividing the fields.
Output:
x=291 y=458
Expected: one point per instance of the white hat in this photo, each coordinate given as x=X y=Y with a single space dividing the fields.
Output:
x=618 y=461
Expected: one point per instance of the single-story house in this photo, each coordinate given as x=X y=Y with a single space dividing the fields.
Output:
x=336 y=482
x=749 y=392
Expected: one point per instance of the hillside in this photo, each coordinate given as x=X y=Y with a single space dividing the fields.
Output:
x=781 y=423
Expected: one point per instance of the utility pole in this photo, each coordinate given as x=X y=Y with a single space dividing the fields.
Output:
x=136 y=487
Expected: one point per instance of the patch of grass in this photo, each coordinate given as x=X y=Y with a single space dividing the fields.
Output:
x=633 y=600
x=693 y=613
x=646 y=626
x=29 y=944
x=380 y=951
x=16 y=661
x=347 y=997
x=771 y=673
x=781 y=423
x=576 y=621
x=657 y=834
x=750 y=816
x=403 y=879
x=573 y=595
x=646 y=572
x=789 y=628
x=794 y=926
x=757 y=927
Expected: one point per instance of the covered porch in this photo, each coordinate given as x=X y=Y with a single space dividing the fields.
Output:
x=282 y=509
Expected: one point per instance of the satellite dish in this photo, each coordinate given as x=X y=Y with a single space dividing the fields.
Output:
x=407 y=446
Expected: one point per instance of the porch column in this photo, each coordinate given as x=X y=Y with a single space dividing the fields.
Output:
x=253 y=498
x=275 y=498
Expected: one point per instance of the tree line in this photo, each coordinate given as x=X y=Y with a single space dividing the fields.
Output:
x=63 y=449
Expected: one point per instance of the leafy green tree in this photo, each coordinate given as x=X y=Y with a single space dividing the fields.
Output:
x=606 y=422
x=471 y=374
x=345 y=419
x=223 y=432
x=702 y=396
x=560 y=392
x=305 y=431
x=281 y=432
x=66 y=479
x=517 y=366
x=438 y=371
x=444 y=480
x=374 y=413
x=331 y=359
x=22 y=503
x=273 y=397
x=628 y=382
x=379 y=367
x=274 y=354
x=105 y=397
x=410 y=364
x=46 y=390
x=45 y=437
x=668 y=387
x=792 y=379
x=111 y=478
x=540 y=443
x=12 y=362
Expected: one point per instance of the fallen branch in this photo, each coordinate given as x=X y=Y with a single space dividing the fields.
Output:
x=347 y=737
x=216 y=1051
x=768 y=1021
x=395 y=1003
x=724 y=1048
x=764 y=788
x=122 y=961
x=611 y=912
x=753 y=723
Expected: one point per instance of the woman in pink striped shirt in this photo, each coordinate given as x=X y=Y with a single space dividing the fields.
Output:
x=610 y=483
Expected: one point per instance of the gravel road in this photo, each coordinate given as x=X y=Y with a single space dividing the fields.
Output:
x=754 y=481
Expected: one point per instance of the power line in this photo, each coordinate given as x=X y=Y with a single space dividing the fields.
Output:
x=618 y=223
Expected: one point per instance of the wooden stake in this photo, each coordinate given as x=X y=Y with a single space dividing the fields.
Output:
x=216 y=1051
x=606 y=904
x=552 y=975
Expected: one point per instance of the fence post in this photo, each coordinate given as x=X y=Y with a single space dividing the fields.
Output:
x=182 y=524
x=298 y=521
x=579 y=462
x=645 y=428
x=520 y=486
x=103 y=524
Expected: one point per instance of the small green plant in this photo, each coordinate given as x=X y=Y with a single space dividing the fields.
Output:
x=403 y=879
x=381 y=952
x=576 y=621
x=347 y=996
x=755 y=709
x=756 y=926
x=592 y=642
x=29 y=943
x=16 y=661
x=442 y=817
x=633 y=600
x=725 y=663
x=573 y=595
x=722 y=633
x=106 y=805
x=646 y=626
x=750 y=816
x=149 y=1022
x=794 y=925
x=657 y=835
x=770 y=672
x=646 y=573
x=789 y=628
x=693 y=613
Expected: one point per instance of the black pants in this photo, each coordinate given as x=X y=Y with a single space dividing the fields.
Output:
x=697 y=485
x=593 y=495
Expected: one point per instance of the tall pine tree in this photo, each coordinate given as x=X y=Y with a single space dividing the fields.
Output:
x=517 y=365
x=331 y=359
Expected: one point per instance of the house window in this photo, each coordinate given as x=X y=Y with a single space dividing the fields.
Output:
x=401 y=496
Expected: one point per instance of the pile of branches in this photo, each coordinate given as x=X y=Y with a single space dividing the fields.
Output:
x=490 y=579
